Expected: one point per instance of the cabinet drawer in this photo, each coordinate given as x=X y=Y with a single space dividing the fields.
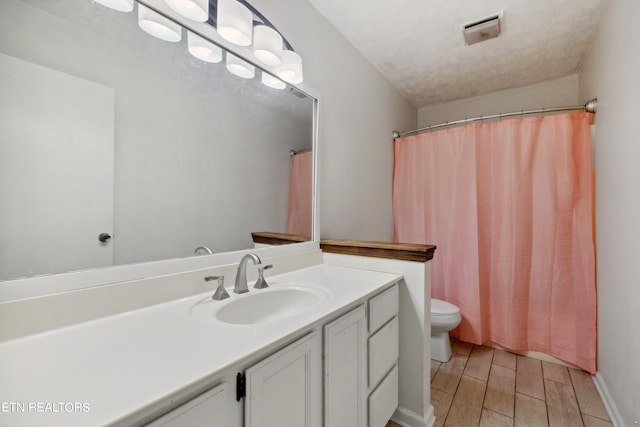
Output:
x=384 y=400
x=382 y=308
x=383 y=351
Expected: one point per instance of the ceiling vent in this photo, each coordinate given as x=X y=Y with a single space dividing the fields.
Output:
x=482 y=30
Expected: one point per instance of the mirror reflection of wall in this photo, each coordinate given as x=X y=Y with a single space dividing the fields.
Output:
x=199 y=156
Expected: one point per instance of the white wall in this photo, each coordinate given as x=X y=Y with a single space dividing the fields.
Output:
x=554 y=93
x=358 y=112
x=610 y=73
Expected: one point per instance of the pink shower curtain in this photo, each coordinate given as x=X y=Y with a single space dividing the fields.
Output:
x=509 y=206
x=299 y=212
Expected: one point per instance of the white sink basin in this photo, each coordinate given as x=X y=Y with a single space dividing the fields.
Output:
x=263 y=305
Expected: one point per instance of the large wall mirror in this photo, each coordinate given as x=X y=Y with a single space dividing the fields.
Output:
x=117 y=147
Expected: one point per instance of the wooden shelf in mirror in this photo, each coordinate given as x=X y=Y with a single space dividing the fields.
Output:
x=401 y=251
x=270 y=238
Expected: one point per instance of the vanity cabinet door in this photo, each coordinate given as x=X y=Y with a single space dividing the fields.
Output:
x=285 y=389
x=210 y=409
x=345 y=363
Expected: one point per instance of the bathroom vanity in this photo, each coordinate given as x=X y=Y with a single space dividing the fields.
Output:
x=286 y=387
x=196 y=361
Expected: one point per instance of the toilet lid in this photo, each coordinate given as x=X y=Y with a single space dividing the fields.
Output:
x=442 y=307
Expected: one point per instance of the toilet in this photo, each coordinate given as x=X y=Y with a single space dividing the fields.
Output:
x=444 y=317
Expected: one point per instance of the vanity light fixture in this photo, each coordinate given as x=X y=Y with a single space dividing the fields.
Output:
x=267 y=45
x=157 y=25
x=203 y=49
x=234 y=22
x=272 y=82
x=291 y=69
x=120 y=5
x=240 y=67
x=196 y=10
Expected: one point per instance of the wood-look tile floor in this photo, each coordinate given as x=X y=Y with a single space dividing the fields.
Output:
x=486 y=387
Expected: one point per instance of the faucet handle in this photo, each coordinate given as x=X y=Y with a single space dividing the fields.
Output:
x=220 y=293
x=261 y=283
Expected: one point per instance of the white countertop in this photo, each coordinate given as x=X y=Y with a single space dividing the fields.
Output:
x=124 y=364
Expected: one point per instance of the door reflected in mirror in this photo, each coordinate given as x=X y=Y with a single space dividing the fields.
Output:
x=105 y=129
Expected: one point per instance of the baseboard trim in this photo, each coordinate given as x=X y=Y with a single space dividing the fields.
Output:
x=406 y=418
x=609 y=404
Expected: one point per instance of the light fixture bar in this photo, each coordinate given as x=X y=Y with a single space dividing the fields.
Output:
x=264 y=20
x=235 y=23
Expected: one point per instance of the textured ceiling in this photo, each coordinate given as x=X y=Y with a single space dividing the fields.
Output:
x=418 y=44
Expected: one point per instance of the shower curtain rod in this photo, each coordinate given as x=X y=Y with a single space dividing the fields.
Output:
x=590 y=107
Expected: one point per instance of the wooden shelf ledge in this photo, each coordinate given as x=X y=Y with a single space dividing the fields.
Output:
x=270 y=238
x=400 y=251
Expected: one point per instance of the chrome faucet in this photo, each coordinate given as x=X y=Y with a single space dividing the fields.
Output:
x=241 y=275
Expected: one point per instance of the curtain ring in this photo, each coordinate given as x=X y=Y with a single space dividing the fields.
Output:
x=499 y=117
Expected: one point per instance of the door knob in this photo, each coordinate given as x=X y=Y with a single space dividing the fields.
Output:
x=103 y=237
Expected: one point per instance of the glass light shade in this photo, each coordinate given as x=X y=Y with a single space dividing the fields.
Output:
x=196 y=10
x=240 y=67
x=157 y=25
x=121 y=5
x=272 y=82
x=267 y=45
x=291 y=69
x=234 y=22
x=203 y=49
